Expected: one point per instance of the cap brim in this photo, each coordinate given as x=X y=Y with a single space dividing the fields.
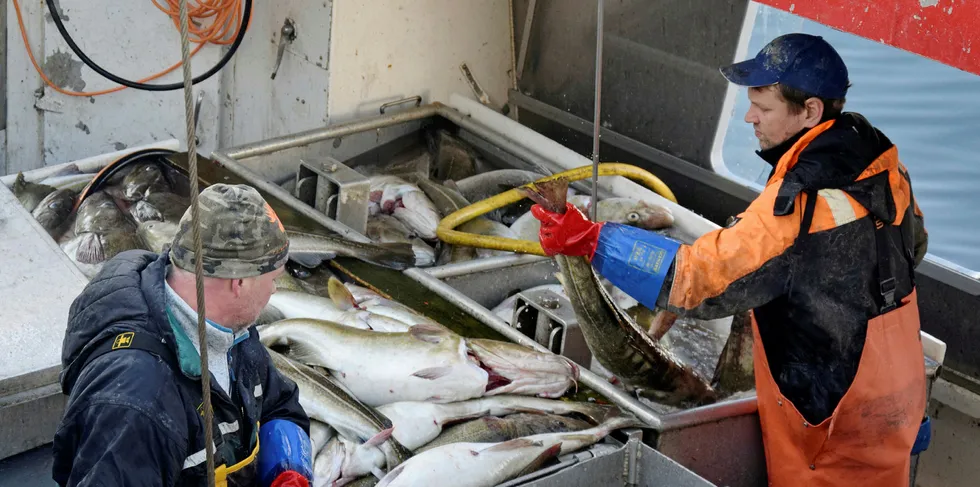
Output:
x=749 y=73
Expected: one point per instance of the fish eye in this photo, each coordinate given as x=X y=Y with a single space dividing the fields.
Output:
x=633 y=217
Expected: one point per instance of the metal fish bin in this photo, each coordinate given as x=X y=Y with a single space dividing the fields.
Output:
x=714 y=445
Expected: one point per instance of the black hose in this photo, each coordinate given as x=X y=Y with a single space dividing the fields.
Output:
x=53 y=10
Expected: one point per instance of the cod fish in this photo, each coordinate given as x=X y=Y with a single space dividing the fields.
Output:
x=103 y=229
x=394 y=196
x=311 y=250
x=292 y=304
x=320 y=433
x=383 y=228
x=29 y=194
x=627 y=211
x=516 y=369
x=448 y=200
x=53 y=211
x=369 y=300
x=325 y=401
x=616 y=341
x=328 y=463
x=489 y=464
x=418 y=423
x=491 y=429
x=160 y=206
x=155 y=235
x=424 y=364
x=491 y=183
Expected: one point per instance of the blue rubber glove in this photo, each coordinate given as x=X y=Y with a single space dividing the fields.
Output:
x=283 y=447
x=634 y=260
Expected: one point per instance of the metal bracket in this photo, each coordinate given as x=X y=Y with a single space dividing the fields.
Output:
x=338 y=191
x=549 y=319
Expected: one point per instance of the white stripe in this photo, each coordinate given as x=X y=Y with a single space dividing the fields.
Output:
x=257 y=392
x=839 y=205
x=226 y=428
x=197 y=458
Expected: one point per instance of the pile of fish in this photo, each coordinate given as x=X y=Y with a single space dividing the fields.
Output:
x=139 y=207
x=397 y=398
x=673 y=361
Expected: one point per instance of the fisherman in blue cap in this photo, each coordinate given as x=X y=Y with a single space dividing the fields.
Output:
x=823 y=259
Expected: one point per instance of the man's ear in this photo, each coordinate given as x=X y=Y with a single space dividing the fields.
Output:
x=814 y=112
x=236 y=286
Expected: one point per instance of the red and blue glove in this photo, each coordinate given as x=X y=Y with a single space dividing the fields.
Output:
x=634 y=260
x=285 y=456
x=569 y=233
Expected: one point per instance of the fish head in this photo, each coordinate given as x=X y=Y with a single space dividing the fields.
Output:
x=52 y=211
x=142 y=178
x=648 y=216
x=516 y=369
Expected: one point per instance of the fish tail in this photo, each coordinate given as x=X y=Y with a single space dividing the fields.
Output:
x=90 y=249
x=551 y=194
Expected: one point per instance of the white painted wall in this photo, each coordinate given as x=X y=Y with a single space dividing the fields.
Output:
x=349 y=57
x=384 y=50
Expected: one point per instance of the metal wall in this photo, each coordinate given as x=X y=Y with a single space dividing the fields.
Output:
x=348 y=57
x=661 y=84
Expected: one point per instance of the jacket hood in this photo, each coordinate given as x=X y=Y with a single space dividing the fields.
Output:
x=126 y=295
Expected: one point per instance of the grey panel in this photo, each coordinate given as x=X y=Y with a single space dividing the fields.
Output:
x=727 y=452
x=661 y=83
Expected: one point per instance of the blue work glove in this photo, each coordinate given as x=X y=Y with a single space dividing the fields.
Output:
x=634 y=260
x=284 y=455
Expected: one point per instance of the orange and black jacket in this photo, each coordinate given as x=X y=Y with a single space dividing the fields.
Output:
x=813 y=287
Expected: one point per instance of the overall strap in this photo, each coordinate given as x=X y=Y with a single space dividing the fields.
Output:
x=886 y=281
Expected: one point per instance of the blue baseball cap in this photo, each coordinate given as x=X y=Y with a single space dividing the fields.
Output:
x=802 y=61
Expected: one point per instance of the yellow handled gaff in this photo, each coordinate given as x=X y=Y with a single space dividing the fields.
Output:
x=447 y=233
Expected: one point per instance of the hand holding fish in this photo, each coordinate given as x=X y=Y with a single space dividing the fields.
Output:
x=568 y=233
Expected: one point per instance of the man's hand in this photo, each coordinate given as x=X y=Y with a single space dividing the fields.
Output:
x=570 y=233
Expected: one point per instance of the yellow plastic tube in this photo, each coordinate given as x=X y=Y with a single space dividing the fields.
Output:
x=447 y=233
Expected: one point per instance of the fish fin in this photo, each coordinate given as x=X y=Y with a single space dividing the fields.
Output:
x=302 y=353
x=379 y=438
x=433 y=373
x=541 y=459
x=115 y=192
x=90 y=250
x=514 y=444
x=340 y=295
x=311 y=261
x=427 y=332
x=550 y=194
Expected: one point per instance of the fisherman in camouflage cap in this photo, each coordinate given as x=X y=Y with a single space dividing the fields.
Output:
x=241 y=236
x=140 y=316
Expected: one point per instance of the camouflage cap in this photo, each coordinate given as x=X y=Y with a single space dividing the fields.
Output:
x=241 y=236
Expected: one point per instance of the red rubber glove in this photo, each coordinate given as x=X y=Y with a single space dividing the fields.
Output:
x=290 y=478
x=570 y=233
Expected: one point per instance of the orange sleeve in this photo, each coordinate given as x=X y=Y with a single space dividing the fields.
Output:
x=734 y=269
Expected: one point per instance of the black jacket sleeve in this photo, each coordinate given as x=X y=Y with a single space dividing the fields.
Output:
x=113 y=444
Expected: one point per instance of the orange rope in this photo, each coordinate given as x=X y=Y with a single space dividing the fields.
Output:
x=222 y=30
